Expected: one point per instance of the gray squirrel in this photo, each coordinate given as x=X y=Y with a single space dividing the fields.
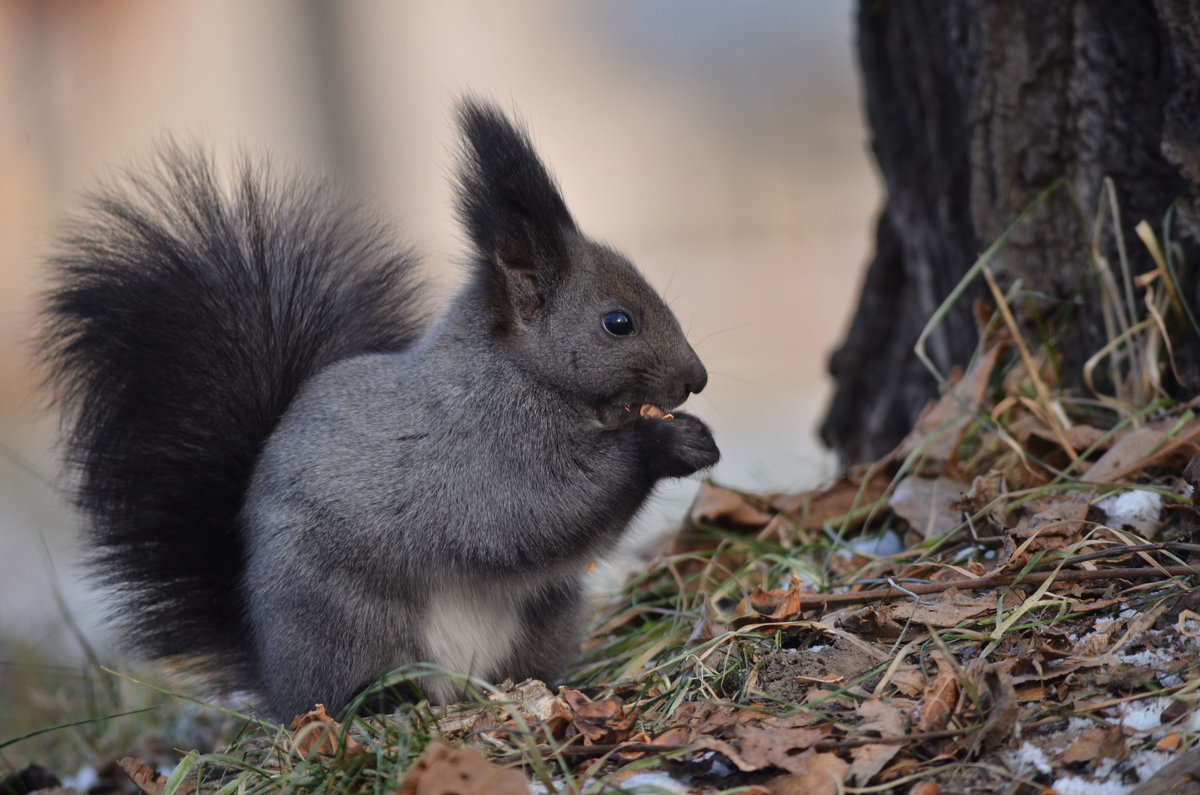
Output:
x=296 y=482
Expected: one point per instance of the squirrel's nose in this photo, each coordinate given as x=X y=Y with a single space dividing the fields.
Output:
x=696 y=379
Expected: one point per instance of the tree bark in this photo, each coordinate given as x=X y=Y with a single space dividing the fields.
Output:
x=976 y=108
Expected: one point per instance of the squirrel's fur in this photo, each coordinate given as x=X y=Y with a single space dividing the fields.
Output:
x=296 y=482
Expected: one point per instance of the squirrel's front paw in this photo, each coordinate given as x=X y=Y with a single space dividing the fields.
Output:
x=680 y=446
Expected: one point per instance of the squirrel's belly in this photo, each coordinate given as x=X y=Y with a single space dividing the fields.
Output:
x=467 y=632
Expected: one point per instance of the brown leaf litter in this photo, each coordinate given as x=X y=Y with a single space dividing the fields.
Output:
x=1040 y=603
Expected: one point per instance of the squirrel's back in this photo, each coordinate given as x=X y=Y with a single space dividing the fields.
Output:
x=181 y=322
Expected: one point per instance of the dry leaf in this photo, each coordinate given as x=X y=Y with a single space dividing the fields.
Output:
x=907 y=679
x=987 y=490
x=1146 y=447
x=443 y=770
x=759 y=747
x=149 y=780
x=704 y=719
x=1031 y=691
x=814 y=509
x=531 y=699
x=536 y=704
x=1079 y=437
x=1060 y=514
x=821 y=774
x=1097 y=743
x=940 y=697
x=944 y=610
x=602 y=721
x=714 y=504
x=947 y=417
x=316 y=732
x=1169 y=742
x=763 y=747
x=1053 y=522
x=927 y=504
x=678 y=735
x=993 y=685
x=867 y=760
x=790 y=606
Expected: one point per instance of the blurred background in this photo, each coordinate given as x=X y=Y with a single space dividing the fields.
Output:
x=719 y=145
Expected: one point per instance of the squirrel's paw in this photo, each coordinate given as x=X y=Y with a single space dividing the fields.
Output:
x=680 y=445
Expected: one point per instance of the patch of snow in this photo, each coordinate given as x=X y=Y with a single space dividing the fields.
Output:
x=1104 y=768
x=83 y=781
x=652 y=783
x=1029 y=759
x=1143 y=715
x=879 y=546
x=717 y=767
x=1100 y=628
x=1147 y=658
x=1138 y=509
x=1147 y=763
x=649 y=783
x=1075 y=785
x=1076 y=727
x=1128 y=613
x=1169 y=680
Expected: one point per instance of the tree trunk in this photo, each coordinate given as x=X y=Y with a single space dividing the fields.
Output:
x=976 y=108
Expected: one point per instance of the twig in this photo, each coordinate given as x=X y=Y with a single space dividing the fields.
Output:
x=603 y=749
x=995 y=581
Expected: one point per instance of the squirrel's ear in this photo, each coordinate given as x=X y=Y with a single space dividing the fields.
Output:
x=510 y=206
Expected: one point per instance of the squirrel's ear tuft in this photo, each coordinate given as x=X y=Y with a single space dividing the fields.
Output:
x=507 y=201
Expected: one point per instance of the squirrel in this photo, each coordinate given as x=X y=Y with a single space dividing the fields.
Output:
x=297 y=479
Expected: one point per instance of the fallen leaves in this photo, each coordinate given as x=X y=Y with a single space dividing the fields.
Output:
x=944 y=422
x=1169 y=441
x=443 y=770
x=940 y=697
x=1009 y=521
x=605 y=721
x=149 y=780
x=950 y=608
x=928 y=504
x=569 y=717
x=1106 y=742
x=714 y=504
x=759 y=747
x=990 y=695
x=866 y=761
x=822 y=774
x=316 y=733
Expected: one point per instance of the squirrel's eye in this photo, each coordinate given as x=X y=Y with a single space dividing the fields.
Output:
x=618 y=323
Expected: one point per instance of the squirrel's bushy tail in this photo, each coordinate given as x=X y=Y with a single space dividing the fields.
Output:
x=180 y=324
